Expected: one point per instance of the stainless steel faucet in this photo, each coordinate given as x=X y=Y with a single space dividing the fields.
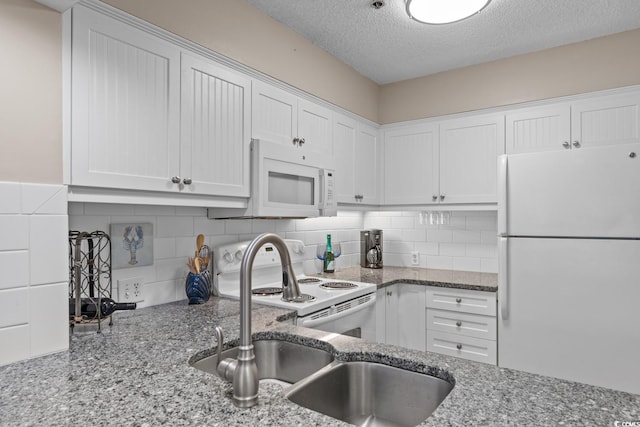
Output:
x=243 y=371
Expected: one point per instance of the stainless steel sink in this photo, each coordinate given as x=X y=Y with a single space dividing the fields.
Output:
x=277 y=360
x=370 y=394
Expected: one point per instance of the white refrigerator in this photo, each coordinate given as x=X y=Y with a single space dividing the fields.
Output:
x=569 y=265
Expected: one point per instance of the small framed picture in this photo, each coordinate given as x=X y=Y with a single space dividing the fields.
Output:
x=131 y=245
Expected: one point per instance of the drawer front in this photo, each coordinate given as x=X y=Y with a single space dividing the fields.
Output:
x=456 y=323
x=475 y=349
x=462 y=300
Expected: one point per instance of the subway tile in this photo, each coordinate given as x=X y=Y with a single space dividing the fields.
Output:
x=75 y=208
x=427 y=248
x=10 y=198
x=164 y=247
x=185 y=246
x=377 y=222
x=14 y=307
x=237 y=226
x=489 y=265
x=14 y=232
x=191 y=211
x=414 y=235
x=482 y=251
x=398 y=247
x=402 y=222
x=286 y=225
x=440 y=236
x=174 y=226
x=44 y=199
x=440 y=262
x=168 y=269
x=392 y=234
x=482 y=222
x=466 y=236
x=206 y=226
x=15 y=344
x=260 y=226
x=90 y=223
x=163 y=292
x=14 y=269
x=452 y=249
x=489 y=238
x=108 y=209
x=154 y=210
x=49 y=249
x=466 y=264
x=49 y=319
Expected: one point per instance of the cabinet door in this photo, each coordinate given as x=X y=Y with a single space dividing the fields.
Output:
x=125 y=106
x=411 y=164
x=215 y=128
x=539 y=129
x=366 y=164
x=274 y=114
x=315 y=127
x=469 y=150
x=408 y=317
x=606 y=120
x=345 y=134
x=381 y=315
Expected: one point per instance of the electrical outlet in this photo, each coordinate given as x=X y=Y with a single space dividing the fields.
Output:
x=131 y=290
x=415 y=258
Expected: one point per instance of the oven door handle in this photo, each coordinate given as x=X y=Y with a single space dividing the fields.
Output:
x=310 y=323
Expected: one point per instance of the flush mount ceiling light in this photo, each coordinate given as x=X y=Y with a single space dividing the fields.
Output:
x=443 y=11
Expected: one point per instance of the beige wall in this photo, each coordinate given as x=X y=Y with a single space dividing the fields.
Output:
x=238 y=30
x=30 y=93
x=602 y=63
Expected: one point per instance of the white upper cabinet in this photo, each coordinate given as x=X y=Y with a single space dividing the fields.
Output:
x=602 y=120
x=538 y=129
x=411 y=164
x=355 y=147
x=469 y=150
x=280 y=116
x=215 y=128
x=453 y=161
x=147 y=116
x=125 y=106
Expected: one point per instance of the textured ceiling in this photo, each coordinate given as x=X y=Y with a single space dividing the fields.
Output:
x=386 y=46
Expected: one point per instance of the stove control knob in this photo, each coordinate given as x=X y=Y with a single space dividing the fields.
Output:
x=227 y=257
x=239 y=255
x=297 y=249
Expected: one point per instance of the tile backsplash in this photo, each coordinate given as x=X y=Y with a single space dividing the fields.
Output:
x=33 y=270
x=468 y=242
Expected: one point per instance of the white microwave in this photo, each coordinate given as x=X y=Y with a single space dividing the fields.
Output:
x=286 y=182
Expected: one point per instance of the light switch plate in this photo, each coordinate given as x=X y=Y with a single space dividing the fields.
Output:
x=131 y=290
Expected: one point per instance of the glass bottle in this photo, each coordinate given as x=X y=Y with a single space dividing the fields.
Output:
x=329 y=261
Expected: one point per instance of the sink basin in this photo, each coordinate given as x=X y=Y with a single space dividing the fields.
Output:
x=370 y=394
x=277 y=360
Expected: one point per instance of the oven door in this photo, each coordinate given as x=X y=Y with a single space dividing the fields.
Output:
x=354 y=318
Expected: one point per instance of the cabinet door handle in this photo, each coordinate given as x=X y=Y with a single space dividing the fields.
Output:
x=175 y=179
x=441 y=197
x=459 y=346
x=301 y=141
x=458 y=323
x=187 y=181
x=566 y=144
x=434 y=197
x=296 y=140
x=458 y=300
x=576 y=144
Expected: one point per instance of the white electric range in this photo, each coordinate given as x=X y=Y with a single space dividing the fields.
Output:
x=336 y=306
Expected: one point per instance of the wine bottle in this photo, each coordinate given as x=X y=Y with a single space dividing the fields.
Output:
x=89 y=307
x=330 y=260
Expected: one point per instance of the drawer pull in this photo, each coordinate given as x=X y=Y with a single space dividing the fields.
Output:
x=459 y=346
x=458 y=323
x=458 y=300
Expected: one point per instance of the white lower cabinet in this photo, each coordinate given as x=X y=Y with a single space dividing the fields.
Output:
x=400 y=315
x=462 y=323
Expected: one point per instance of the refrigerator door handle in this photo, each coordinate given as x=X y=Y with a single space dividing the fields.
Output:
x=503 y=282
x=502 y=195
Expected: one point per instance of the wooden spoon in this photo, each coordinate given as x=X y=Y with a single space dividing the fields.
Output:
x=196 y=263
x=199 y=243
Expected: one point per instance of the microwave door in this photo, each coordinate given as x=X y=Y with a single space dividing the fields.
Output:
x=289 y=189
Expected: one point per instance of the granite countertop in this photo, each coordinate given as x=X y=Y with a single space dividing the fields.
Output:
x=137 y=373
x=387 y=276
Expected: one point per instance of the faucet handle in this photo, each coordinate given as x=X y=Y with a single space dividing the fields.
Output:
x=225 y=368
